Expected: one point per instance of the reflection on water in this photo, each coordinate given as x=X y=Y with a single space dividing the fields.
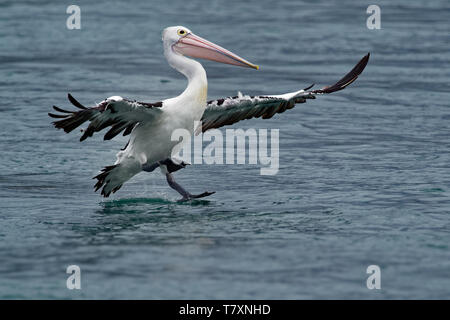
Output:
x=124 y=203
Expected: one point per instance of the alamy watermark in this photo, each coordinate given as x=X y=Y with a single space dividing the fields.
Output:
x=374 y=20
x=74 y=280
x=235 y=147
x=74 y=20
x=374 y=280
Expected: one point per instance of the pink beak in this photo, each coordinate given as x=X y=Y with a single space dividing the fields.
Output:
x=197 y=47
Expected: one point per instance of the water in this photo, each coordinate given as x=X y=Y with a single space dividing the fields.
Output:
x=364 y=173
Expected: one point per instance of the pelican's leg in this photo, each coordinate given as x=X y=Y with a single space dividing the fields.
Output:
x=167 y=167
x=186 y=195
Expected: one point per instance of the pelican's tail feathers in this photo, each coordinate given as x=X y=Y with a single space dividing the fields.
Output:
x=111 y=178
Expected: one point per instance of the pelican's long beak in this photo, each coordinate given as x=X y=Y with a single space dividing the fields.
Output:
x=197 y=47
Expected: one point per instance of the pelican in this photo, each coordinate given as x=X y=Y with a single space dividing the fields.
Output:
x=150 y=125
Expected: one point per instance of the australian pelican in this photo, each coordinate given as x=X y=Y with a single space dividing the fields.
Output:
x=150 y=125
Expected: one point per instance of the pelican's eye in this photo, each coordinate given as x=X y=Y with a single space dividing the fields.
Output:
x=181 y=32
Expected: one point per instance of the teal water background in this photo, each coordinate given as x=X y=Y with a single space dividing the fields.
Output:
x=364 y=173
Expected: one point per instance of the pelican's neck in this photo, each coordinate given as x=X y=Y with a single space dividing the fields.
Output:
x=194 y=72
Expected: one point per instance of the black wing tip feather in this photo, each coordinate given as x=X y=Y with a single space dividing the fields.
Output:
x=307 y=88
x=75 y=102
x=71 y=119
x=57 y=116
x=70 y=122
x=348 y=78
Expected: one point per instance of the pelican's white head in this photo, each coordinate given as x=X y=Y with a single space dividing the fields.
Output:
x=180 y=40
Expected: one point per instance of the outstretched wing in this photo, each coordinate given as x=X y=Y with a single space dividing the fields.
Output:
x=116 y=112
x=230 y=110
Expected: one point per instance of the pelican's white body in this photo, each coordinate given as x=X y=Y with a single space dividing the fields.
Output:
x=151 y=142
